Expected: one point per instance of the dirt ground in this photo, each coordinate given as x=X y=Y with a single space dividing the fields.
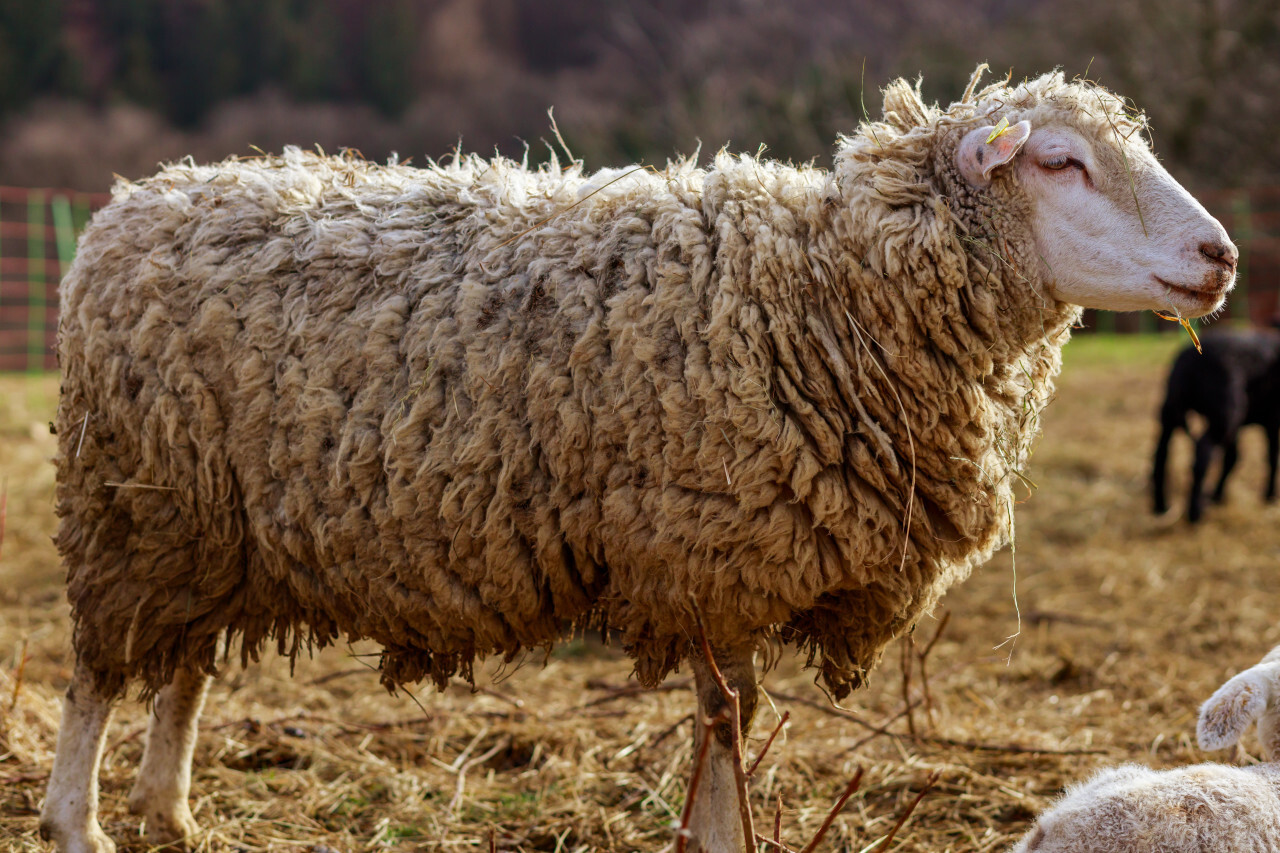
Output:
x=1093 y=644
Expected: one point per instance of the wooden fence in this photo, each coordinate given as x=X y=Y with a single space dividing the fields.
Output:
x=38 y=231
x=1252 y=218
x=39 y=227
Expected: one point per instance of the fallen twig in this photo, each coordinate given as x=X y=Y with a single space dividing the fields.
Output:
x=307 y=716
x=751 y=771
x=775 y=844
x=881 y=730
x=849 y=791
x=777 y=822
x=670 y=730
x=630 y=690
x=929 y=783
x=462 y=770
x=341 y=673
x=943 y=741
x=908 y=643
x=22 y=661
x=518 y=704
x=827 y=708
x=1010 y=747
x=924 y=672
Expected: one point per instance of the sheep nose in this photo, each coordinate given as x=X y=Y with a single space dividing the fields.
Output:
x=1221 y=253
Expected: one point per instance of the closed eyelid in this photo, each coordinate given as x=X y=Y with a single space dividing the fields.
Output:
x=1057 y=152
x=1060 y=161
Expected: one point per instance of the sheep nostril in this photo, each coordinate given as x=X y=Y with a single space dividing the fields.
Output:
x=1220 y=253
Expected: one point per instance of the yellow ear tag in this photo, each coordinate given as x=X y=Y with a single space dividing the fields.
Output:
x=1195 y=339
x=999 y=129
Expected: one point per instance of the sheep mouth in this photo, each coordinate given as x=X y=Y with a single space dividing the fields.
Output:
x=1193 y=294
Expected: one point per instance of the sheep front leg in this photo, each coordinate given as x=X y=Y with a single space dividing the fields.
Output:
x=715 y=822
x=163 y=785
x=70 y=814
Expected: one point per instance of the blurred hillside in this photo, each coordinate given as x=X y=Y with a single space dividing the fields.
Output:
x=92 y=87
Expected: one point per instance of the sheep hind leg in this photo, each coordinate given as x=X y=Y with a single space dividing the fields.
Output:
x=70 y=815
x=1159 y=502
x=715 y=822
x=1230 y=455
x=160 y=792
x=1206 y=444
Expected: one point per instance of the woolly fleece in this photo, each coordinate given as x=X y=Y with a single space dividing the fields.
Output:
x=1133 y=809
x=463 y=409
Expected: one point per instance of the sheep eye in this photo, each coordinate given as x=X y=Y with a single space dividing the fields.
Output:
x=1061 y=162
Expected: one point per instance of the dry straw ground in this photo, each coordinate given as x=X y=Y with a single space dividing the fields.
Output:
x=1127 y=622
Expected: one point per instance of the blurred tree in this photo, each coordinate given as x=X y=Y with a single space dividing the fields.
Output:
x=311 y=49
x=132 y=30
x=643 y=79
x=194 y=63
x=32 y=57
x=182 y=57
x=570 y=38
x=386 y=54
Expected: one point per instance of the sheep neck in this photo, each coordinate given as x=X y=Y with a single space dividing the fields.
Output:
x=915 y=366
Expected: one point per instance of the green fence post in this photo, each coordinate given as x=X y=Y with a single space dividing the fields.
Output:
x=65 y=231
x=37 y=303
x=82 y=211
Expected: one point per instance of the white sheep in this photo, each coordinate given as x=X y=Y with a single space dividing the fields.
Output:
x=456 y=409
x=1205 y=807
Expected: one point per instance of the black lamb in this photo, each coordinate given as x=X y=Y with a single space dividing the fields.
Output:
x=1236 y=381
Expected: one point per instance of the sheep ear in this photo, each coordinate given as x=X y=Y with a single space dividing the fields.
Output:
x=1235 y=705
x=979 y=153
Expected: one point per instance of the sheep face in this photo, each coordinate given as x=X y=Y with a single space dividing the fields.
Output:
x=1115 y=230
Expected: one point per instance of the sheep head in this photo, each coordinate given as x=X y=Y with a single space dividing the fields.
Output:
x=1111 y=227
x=1053 y=180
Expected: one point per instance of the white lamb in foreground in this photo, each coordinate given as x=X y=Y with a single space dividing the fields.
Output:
x=1205 y=807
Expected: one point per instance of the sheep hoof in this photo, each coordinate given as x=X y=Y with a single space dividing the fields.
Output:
x=167 y=825
x=91 y=840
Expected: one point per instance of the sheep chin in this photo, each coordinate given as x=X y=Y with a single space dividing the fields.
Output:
x=1192 y=302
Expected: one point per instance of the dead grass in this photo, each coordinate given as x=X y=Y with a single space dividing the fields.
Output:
x=1128 y=623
